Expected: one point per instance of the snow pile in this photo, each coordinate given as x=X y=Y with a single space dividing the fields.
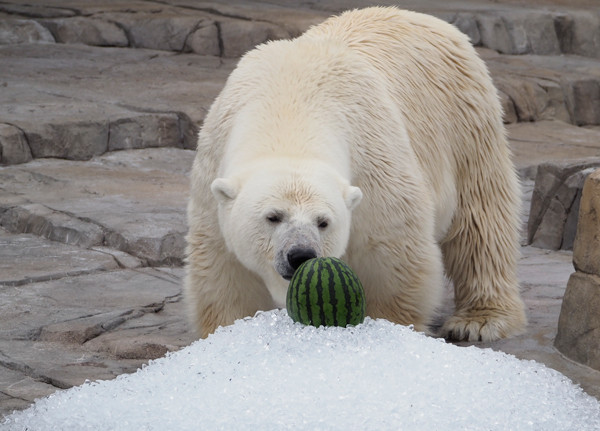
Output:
x=267 y=373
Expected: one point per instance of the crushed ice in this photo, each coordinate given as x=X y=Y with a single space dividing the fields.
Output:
x=268 y=373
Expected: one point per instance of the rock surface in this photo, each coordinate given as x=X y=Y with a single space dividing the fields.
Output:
x=131 y=201
x=534 y=143
x=88 y=100
x=586 y=255
x=555 y=203
x=579 y=324
x=71 y=314
x=101 y=103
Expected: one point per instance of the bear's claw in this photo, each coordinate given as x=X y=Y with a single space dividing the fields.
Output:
x=483 y=325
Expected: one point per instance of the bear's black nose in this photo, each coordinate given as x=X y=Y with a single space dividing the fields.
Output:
x=298 y=255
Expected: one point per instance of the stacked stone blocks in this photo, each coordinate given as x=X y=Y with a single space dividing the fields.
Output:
x=578 y=334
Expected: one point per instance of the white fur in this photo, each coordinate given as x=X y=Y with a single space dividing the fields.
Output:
x=388 y=106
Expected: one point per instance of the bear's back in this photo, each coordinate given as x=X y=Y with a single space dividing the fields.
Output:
x=431 y=69
x=442 y=90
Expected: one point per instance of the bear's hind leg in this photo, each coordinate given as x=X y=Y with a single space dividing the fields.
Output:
x=480 y=256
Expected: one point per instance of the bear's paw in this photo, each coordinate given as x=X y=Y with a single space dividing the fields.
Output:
x=483 y=324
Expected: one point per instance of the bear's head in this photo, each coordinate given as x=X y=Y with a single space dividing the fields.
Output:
x=275 y=217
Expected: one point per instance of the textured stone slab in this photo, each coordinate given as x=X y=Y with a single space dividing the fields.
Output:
x=548 y=87
x=26 y=259
x=166 y=25
x=550 y=141
x=123 y=259
x=579 y=324
x=204 y=39
x=158 y=30
x=145 y=131
x=75 y=140
x=89 y=101
x=60 y=365
x=579 y=32
x=89 y=31
x=293 y=18
x=20 y=390
x=75 y=309
x=54 y=225
x=549 y=268
x=586 y=252
x=527 y=187
x=240 y=36
x=556 y=201
x=37 y=9
x=58 y=334
x=467 y=23
x=131 y=201
x=18 y=31
x=149 y=336
x=14 y=148
x=519 y=32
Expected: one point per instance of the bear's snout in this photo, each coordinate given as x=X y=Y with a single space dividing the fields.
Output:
x=298 y=255
x=298 y=243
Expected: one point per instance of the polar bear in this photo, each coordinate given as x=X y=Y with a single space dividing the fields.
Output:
x=376 y=137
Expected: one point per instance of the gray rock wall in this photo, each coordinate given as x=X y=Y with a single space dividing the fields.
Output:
x=233 y=30
x=532 y=64
x=578 y=334
x=555 y=203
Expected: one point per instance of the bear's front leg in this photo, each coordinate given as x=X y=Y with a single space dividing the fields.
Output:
x=480 y=257
x=217 y=288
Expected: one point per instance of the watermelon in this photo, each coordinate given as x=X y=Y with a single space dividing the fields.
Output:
x=325 y=291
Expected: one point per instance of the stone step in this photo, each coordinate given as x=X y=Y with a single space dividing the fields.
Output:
x=92 y=100
x=535 y=87
x=206 y=28
x=75 y=102
x=89 y=100
x=531 y=31
x=129 y=201
x=229 y=30
x=26 y=259
x=533 y=143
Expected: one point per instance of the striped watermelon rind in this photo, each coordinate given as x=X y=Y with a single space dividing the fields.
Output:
x=325 y=291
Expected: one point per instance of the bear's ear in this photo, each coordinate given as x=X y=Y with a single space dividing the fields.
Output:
x=224 y=189
x=353 y=197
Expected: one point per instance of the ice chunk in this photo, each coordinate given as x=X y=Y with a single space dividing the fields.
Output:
x=267 y=373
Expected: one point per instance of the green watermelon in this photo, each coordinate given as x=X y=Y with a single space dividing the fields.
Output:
x=325 y=291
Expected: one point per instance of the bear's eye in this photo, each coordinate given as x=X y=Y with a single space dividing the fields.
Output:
x=322 y=223
x=274 y=218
